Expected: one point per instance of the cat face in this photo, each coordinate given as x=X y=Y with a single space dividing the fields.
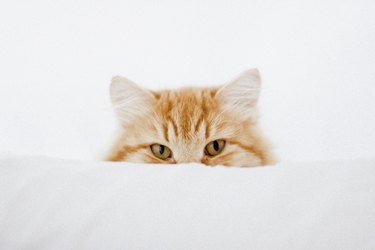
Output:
x=213 y=126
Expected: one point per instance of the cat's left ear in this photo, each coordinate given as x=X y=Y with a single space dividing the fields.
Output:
x=241 y=94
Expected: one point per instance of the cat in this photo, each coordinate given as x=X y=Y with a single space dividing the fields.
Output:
x=213 y=126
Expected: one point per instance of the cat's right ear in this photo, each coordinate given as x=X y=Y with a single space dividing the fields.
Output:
x=128 y=99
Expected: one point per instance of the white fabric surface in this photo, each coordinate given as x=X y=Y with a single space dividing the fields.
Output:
x=49 y=203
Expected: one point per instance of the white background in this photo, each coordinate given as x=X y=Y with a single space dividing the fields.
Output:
x=317 y=59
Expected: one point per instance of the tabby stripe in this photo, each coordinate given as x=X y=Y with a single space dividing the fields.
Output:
x=125 y=150
x=252 y=149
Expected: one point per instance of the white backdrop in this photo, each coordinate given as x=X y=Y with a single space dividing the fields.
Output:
x=317 y=59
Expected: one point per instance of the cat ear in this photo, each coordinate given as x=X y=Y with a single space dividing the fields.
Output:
x=128 y=99
x=241 y=94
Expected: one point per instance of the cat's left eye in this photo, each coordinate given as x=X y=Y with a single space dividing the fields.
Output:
x=161 y=151
x=214 y=148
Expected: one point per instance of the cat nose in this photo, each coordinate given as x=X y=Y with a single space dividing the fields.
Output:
x=189 y=160
x=188 y=155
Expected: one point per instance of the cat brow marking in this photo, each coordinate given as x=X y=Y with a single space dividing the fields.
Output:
x=201 y=117
x=199 y=123
x=205 y=114
x=207 y=131
x=174 y=125
x=165 y=131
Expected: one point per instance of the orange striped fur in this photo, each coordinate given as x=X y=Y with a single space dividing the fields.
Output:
x=186 y=120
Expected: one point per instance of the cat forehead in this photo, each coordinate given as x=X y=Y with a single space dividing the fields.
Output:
x=187 y=105
x=186 y=113
x=194 y=95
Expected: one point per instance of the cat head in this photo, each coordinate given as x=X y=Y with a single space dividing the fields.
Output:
x=213 y=126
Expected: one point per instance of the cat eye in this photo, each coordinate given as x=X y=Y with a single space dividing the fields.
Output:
x=161 y=151
x=214 y=148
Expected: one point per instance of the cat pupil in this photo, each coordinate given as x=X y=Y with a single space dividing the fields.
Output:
x=216 y=145
x=161 y=149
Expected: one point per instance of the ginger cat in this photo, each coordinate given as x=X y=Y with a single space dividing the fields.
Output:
x=213 y=126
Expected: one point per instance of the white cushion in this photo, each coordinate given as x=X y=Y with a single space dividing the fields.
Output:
x=50 y=203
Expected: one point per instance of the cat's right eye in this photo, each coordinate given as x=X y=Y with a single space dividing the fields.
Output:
x=161 y=151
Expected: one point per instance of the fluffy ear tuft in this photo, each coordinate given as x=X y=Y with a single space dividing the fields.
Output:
x=241 y=94
x=128 y=99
